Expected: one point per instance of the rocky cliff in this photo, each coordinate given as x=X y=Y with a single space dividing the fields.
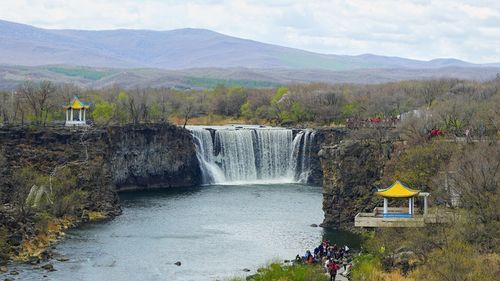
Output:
x=48 y=150
x=321 y=137
x=351 y=173
x=148 y=157
x=109 y=159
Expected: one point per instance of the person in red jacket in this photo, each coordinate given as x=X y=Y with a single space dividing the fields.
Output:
x=333 y=267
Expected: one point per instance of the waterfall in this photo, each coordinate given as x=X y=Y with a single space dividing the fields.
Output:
x=211 y=173
x=303 y=147
x=242 y=155
x=274 y=153
x=237 y=154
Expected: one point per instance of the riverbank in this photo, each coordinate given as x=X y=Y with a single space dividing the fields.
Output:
x=31 y=239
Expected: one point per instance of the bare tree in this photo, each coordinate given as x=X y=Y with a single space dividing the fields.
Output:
x=38 y=98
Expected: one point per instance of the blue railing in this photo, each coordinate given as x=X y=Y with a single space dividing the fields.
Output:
x=396 y=215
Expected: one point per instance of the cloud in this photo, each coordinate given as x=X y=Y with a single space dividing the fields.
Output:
x=422 y=29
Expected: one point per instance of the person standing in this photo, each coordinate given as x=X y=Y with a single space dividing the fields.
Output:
x=327 y=265
x=344 y=263
x=333 y=267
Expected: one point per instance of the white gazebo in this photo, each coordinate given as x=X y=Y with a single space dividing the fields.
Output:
x=76 y=112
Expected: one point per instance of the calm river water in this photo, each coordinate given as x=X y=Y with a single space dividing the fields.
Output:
x=214 y=231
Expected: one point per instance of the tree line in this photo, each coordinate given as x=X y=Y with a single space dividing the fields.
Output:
x=453 y=105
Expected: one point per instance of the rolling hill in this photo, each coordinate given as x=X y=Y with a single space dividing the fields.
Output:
x=177 y=49
x=195 y=58
x=202 y=78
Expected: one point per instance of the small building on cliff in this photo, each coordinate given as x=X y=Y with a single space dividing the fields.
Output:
x=76 y=112
x=396 y=216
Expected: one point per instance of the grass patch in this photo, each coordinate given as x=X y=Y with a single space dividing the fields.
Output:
x=281 y=272
x=213 y=119
x=86 y=73
x=210 y=83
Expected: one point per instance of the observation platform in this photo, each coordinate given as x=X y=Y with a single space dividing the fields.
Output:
x=396 y=217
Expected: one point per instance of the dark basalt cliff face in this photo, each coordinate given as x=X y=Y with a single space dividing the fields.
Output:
x=104 y=160
x=351 y=173
x=47 y=150
x=321 y=137
x=148 y=157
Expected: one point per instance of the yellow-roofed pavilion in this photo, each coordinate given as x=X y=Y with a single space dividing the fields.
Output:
x=397 y=190
x=79 y=107
x=397 y=216
x=400 y=190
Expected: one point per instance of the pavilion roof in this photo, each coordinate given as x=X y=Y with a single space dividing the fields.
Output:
x=397 y=190
x=77 y=104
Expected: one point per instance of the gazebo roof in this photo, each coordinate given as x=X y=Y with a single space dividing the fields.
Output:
x=397 y=190
x=77 y=104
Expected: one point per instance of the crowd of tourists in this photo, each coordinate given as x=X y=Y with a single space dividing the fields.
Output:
x=332 y=257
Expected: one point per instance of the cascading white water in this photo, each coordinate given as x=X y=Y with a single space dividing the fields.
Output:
x=237 y=154
x=304 y=147
x=242 y=155
x=211 y=173
x=273 y=154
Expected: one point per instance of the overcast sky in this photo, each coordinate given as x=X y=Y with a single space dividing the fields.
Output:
x=420 y=29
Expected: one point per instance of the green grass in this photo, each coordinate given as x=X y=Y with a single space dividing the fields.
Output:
x=277 y=271
x=86 y=73
x=206 y=82
x=307 y=61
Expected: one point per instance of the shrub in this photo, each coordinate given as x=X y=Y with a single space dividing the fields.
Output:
x=365 y=267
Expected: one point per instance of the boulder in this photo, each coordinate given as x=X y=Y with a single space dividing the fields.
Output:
x=62 y=259
x=404 y=260
x=48 y=267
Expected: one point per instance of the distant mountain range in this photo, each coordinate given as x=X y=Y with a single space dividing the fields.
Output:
x=176 y=49
x=97 y=58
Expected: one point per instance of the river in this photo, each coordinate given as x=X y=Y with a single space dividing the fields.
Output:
x=214 y=231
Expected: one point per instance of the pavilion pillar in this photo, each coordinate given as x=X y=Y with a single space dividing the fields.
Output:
x=71 y=117
x=80 y=115
x=386 y=203
x=67 y=115
x=425 y=205
x=84 y=115
x=409 y=206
